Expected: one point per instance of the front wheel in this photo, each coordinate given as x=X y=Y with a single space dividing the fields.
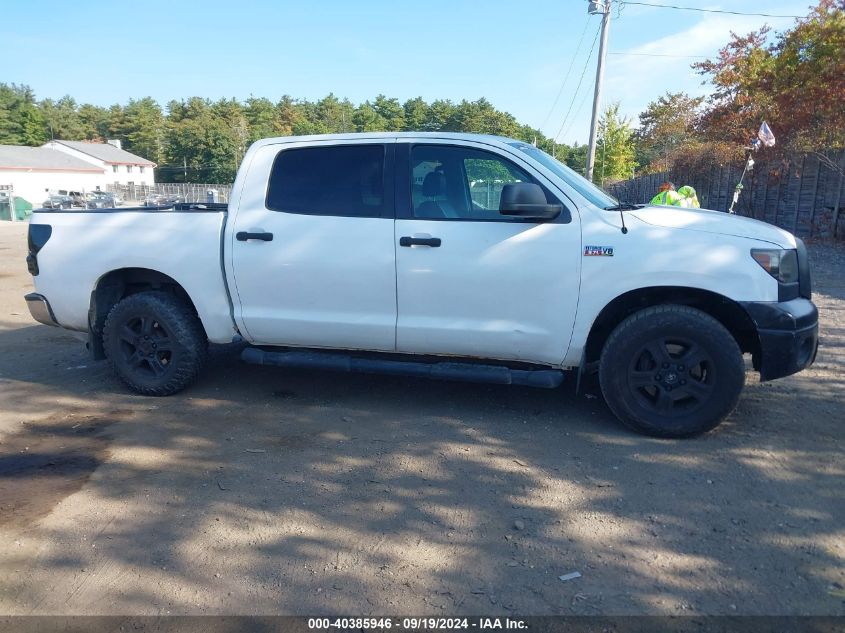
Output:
x=155 y=343
x=671 y=371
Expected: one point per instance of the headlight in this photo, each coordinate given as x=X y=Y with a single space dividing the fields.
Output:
x=779 y=263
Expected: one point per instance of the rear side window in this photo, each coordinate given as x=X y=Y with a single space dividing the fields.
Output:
x=344 y=180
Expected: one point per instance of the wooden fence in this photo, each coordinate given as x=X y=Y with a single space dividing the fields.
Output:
x=802 y=194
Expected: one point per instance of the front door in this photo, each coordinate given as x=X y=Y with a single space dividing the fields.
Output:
x=470 y=281
x=312 y=252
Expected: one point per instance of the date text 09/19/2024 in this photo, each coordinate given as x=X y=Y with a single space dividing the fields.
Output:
x=411 y=623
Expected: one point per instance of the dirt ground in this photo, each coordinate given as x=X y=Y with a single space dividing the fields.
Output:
x=268 y=491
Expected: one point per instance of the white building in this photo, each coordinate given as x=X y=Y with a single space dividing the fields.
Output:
x=120 y=166
x=34 y=172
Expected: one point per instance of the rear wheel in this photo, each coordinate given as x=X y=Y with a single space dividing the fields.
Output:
x=671 y=371
x=155 y=343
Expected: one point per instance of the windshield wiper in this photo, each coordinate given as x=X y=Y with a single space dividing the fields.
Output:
x=624 y=206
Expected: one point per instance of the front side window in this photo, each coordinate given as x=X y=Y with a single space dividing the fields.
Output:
x=129 y=169
x=451 y=182
x=114 y=168
x=340 y=180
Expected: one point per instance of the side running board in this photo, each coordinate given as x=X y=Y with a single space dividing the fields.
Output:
x=467 y=372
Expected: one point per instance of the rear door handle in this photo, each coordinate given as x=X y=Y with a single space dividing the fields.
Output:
x=243 y=236
x=434 y=242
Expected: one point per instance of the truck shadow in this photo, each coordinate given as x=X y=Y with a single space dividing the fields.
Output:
x=263 y=490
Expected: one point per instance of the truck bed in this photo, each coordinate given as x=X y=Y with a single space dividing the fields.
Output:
x=182 y=241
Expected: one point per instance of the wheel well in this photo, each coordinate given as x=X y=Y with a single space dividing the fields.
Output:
x=118 y=284
x=728 y=312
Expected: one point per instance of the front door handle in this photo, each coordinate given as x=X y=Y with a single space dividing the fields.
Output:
x=243 y=236
x=434 y=242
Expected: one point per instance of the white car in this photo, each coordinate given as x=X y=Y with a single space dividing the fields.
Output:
x=453 y=256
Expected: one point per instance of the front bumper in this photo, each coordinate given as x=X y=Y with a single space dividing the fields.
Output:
x=789 y=336
x=40 y=309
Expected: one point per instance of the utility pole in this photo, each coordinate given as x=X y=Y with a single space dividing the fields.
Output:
x=603 y=7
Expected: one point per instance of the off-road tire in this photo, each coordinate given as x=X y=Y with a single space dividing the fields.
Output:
x=155 y=343
x=671 y=371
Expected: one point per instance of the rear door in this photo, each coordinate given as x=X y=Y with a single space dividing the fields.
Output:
x=312 y=247
x=470 y=281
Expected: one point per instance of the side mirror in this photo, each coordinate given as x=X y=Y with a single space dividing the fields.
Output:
x=528 y=201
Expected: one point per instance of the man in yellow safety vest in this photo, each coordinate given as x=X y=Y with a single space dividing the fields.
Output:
x=689 y=198
x=667 y=196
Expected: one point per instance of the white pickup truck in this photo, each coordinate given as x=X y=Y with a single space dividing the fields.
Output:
x=454 y=256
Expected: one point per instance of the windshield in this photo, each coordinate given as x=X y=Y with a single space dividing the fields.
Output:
x=594 y=194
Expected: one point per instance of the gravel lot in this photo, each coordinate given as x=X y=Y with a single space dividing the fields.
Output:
x=265 y=491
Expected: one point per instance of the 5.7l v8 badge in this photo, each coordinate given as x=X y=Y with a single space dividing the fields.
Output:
x=598 y=251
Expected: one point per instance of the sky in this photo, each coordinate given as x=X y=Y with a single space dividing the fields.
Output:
x=519 y=55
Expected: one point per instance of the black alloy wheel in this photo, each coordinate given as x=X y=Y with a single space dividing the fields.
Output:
x=155 y=342
x=146 y=347
x=671 y=375
x=671 y=371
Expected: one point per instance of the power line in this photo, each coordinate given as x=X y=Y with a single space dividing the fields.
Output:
x=568 y=71
x=661 y=55
x=671 y=6
x=578 y=87
x=577 y=112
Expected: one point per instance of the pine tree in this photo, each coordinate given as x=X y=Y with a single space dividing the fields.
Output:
x=615 y=149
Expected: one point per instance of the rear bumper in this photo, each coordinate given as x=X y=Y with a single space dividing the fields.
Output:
x=789 y=336
x=40 y=309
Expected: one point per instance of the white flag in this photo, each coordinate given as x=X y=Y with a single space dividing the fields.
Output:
x=766 y=135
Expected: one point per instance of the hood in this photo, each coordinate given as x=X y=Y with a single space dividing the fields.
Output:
x=714 y=222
